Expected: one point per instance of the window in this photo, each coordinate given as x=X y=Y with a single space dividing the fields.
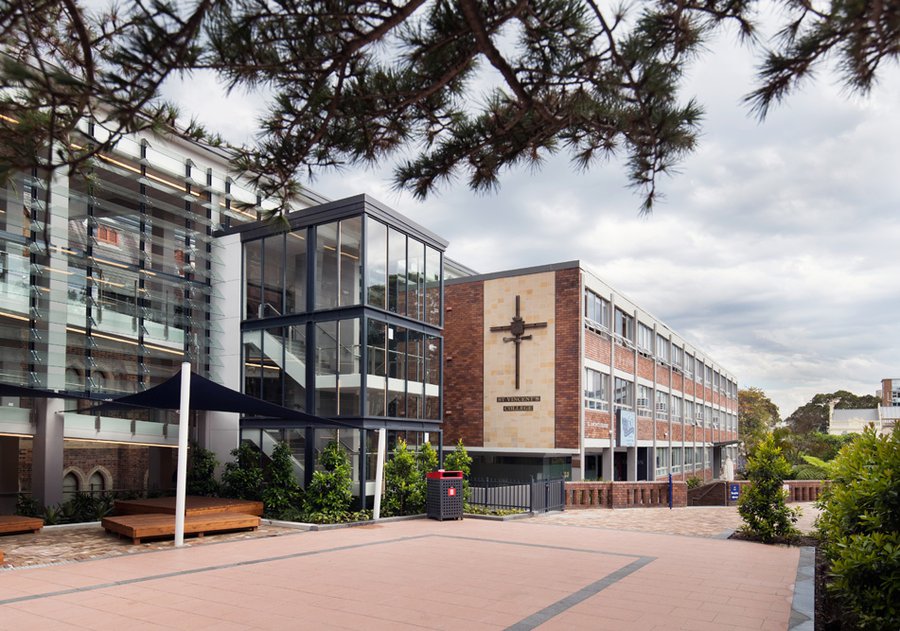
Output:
x=676 y=408
x=689 y=412
x=624 y=393
x=677 y=357
x=644 y=400
x=97 y=482
x=709 y=374
x=595 y=394
x=716 y=381
x=698 y=370
x=699 y=413
x=688 y=458
x=70 y=485
x=676 y=459
x=596 y=310
x=624 y=326
x=662 y=461
x=338 y=271
x=105 y=234
x=662 y=349
x=708 y=415
x=689 y=365
x=662 y=405
x=645 y=339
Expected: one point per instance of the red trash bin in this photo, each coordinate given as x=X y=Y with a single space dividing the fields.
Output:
x=444 y=498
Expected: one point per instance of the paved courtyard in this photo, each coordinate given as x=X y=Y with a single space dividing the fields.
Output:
x=471 y=574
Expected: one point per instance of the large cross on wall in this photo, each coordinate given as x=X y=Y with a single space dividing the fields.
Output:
x=517 y=327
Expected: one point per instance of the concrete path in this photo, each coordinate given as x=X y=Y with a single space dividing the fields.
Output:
x=470 y=574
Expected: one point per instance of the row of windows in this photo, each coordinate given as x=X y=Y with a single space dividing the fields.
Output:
x=596 y=397
x=597 y=316
x=682 y=459
x=391 y=271
x=401 y=377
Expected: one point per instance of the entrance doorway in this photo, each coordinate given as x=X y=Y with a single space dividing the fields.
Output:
x=642 y=455
x=620 y=466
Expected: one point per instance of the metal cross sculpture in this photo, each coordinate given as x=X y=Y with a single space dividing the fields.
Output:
x=518 y=327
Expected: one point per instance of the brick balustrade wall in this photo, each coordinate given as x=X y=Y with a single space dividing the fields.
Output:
x=716 y=493
x=624 y=494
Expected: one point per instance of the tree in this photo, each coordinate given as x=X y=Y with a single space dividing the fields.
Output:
x=813 y=416
x=762 y=502
x=329 y=495
x=282 y=496
x=402 y=494
x=757 y=415
x=243 y=477
x=460 y=460
x=860 y=528
x=201 y=473
x=357 y=81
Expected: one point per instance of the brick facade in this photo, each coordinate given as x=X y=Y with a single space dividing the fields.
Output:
x=464 y=364
x=568 y=368
x=124 y=467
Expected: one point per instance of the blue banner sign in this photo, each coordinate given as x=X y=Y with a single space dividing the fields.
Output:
x=734 y=491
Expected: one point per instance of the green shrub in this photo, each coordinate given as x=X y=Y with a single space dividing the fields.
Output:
x=808 y=472
x=426 y=459
x=328 y=496
x=860 y=528
x=403 y=491
x=459 y=460
x=201 y=473
x=693 y=482
x=243 y=478
x=28 y=506
x=282 y=496
x=762 y=502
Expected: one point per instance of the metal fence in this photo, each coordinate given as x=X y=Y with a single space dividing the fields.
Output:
x=536 y=496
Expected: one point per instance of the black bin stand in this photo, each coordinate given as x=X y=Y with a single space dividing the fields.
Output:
x=444 y=497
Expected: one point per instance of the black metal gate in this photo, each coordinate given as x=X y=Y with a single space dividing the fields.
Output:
x=548 y=495
x=536 y=496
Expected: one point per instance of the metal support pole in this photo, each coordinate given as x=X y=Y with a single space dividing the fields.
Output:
x=379 y=473
x=670 y=491
x=181 y=480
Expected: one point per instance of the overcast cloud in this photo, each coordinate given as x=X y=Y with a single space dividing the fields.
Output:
x=776 y=250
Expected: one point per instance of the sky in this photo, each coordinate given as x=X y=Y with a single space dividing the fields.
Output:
x=774 y=251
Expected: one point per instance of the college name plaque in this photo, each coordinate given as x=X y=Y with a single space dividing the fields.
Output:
x=519 y=399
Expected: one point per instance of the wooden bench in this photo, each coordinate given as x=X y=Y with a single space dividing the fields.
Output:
x=194 y=505
x=12 y=524
x=137 y=527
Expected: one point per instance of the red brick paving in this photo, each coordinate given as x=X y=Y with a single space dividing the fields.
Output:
x=469 y=574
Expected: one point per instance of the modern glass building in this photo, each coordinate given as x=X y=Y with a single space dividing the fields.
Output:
x=341 y=318
x=110 y=278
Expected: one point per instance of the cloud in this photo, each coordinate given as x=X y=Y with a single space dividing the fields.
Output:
x=775 y=250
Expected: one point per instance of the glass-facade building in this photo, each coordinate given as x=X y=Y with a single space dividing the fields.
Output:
x=342 y=315
x=108 y=282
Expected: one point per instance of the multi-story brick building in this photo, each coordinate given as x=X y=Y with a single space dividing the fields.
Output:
x=890 y=392
x=549 y=370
